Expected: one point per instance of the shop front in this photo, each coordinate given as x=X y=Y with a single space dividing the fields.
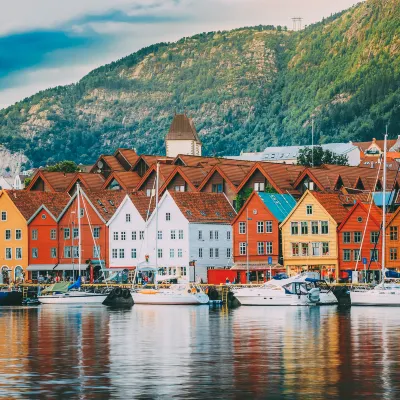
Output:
x=258 y=272
x=325 y=272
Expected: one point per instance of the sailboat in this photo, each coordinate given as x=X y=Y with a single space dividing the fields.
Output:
x=386 y=293
x=66 y=293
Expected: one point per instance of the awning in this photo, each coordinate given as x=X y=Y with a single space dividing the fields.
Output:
x=70 y=267
x=256 y=266
x=41 y=267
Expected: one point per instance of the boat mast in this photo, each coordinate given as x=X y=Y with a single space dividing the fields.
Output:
x=157 y=178
x=384 y=209
x=79 y=228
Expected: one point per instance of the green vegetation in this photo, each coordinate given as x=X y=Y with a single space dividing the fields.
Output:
x=245 y=89
x=63 y=166
x=319 y=156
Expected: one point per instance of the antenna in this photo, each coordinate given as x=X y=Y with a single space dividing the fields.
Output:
x=297 y=23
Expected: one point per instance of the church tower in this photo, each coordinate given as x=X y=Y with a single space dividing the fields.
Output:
x=182 y=137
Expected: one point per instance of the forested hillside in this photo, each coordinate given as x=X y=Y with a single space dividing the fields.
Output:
x=246 y=89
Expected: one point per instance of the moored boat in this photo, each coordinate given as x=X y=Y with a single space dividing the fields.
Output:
x=10 y=298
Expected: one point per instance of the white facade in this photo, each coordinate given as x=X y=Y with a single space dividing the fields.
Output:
x=188 y=147
x=127 y=236
x=179 y=243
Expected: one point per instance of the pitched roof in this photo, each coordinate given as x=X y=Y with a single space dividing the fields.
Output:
x=128 y=180
x=182 y=128
x=130 y=155
x=105 y=202
x=29 y=202
x=88 y=181
x=200 y=207
x=145 y=205
x=59 y=181
x=333 y=204
x=279 y=205
x=375 y=213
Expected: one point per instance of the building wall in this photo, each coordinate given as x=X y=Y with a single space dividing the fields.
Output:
x=216 y=179
x=175 y=147
x=353 y=225
x=297 y=263
x=14 y=221
x=262 y=214
x=119 y=225
x=392 y=243
x=177 y=180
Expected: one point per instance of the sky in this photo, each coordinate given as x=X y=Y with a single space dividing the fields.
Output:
x=46 y=43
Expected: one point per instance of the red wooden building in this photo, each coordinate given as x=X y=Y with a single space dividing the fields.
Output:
x=256 y=235
x=353 y=244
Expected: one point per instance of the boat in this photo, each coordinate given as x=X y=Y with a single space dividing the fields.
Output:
x=285 y=292
x=10 y=298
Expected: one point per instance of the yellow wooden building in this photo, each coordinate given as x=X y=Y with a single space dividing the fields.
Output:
x=309 y=234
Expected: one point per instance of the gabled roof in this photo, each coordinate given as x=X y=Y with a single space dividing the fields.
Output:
x=28 y=203
x=165 y=171
x=128 y=180
x=200 y=207
x=56 y=181
x=193 y=176
x=129 y=155
x=375 y=215
x=111 y=161
x=105 y=202
x=88 y=181
x=182 y=128
x=333 y=204
x=226 y=173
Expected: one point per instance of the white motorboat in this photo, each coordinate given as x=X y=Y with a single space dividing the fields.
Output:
x=73 y=297
x=175 y=294
x=272 y=293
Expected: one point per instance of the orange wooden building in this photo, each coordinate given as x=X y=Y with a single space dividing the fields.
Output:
x=352 y=246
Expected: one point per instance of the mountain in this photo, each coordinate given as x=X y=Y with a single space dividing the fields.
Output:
x=245 y=89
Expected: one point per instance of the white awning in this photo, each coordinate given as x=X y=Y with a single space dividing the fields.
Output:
x=41 y=267
x=70 y=267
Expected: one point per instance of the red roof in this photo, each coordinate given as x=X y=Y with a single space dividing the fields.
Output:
x=332 y=204
x=127 y=179
x=145 y=205
x=105 y=202
x=130 y=155
x=201 y=207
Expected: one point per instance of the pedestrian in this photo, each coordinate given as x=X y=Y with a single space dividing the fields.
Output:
x=227 y=281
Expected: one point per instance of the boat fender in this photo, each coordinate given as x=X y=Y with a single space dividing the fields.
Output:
x=125 y=294
x=189 y=291
x=194 y=290
x=118 y=292
x=111 y=295
x=313 y=295
x=206 y=290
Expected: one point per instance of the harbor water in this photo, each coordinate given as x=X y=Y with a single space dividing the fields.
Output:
x=185 y=352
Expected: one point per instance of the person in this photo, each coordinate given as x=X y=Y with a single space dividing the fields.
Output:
x=227 y=281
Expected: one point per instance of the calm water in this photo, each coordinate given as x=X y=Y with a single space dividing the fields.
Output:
x=194 y=352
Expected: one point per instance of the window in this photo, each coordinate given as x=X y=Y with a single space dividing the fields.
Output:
x=171 y=253
x=8 y=234
x=75 y=251
x=115 y=235
x=211 y=235
x=114 y=253
x=393 y=254
x=121 y=253
x=228 y=253
x=304 y=249
x=159 y=253
x=53 y=252
x=260 y=248
x=35 y=234
x=4 y=215
x=294 y=226
x=96 y=232
x=309 y=209
x=128 y=217
x=295 y=249
x=242 y=248
x=18 y=234
x=259 y=186
x=211 y=253
x=304 y=228
x=53 y=234
x=359 y=219
x=346 y=237
x=356 y=255
x=150 y=192
x=216 y=251
x=133 y=235
x=179 y=188
x=133 y=253
x=168 y=216
x=217 y=188
x=123 y=235
x=141 y=235
x=200 y=252
x=75 y=233
x=67 y=252
x=228 y=235
x=325 y=248
x=173 y=234
x=374 y=255
x=357 y=237
x=67 y=233
x=180 y=253
x=200 y=235
x=180 y=234
x=268 y=247
x=242 y=227
x=314 y=227
x=159 y=235
x=96 y=251
x=393 y=233
x=315 y=249
x=324 y=227
x=260 y=226
x=18 y=253
x=35 y=253
x=374 y=236
x=43 y=216
x=346 y=255
x=268 y=226
x=216 y=235
x=82 y=212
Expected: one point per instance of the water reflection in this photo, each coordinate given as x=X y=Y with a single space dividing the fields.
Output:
x=195 y=352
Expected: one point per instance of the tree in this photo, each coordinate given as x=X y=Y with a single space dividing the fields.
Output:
x=27 y=181
x=63 y=166
x=321 y=156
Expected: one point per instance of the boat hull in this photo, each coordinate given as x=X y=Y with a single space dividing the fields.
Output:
x=75 y=299
x=374 y=298
x=327 y=299
x=169 y=299
x=272 y=300
x=11 y=298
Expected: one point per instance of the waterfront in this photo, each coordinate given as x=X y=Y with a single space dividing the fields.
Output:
x=197 y=352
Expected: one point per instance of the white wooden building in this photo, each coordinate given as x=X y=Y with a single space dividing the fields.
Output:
x=194 y=234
